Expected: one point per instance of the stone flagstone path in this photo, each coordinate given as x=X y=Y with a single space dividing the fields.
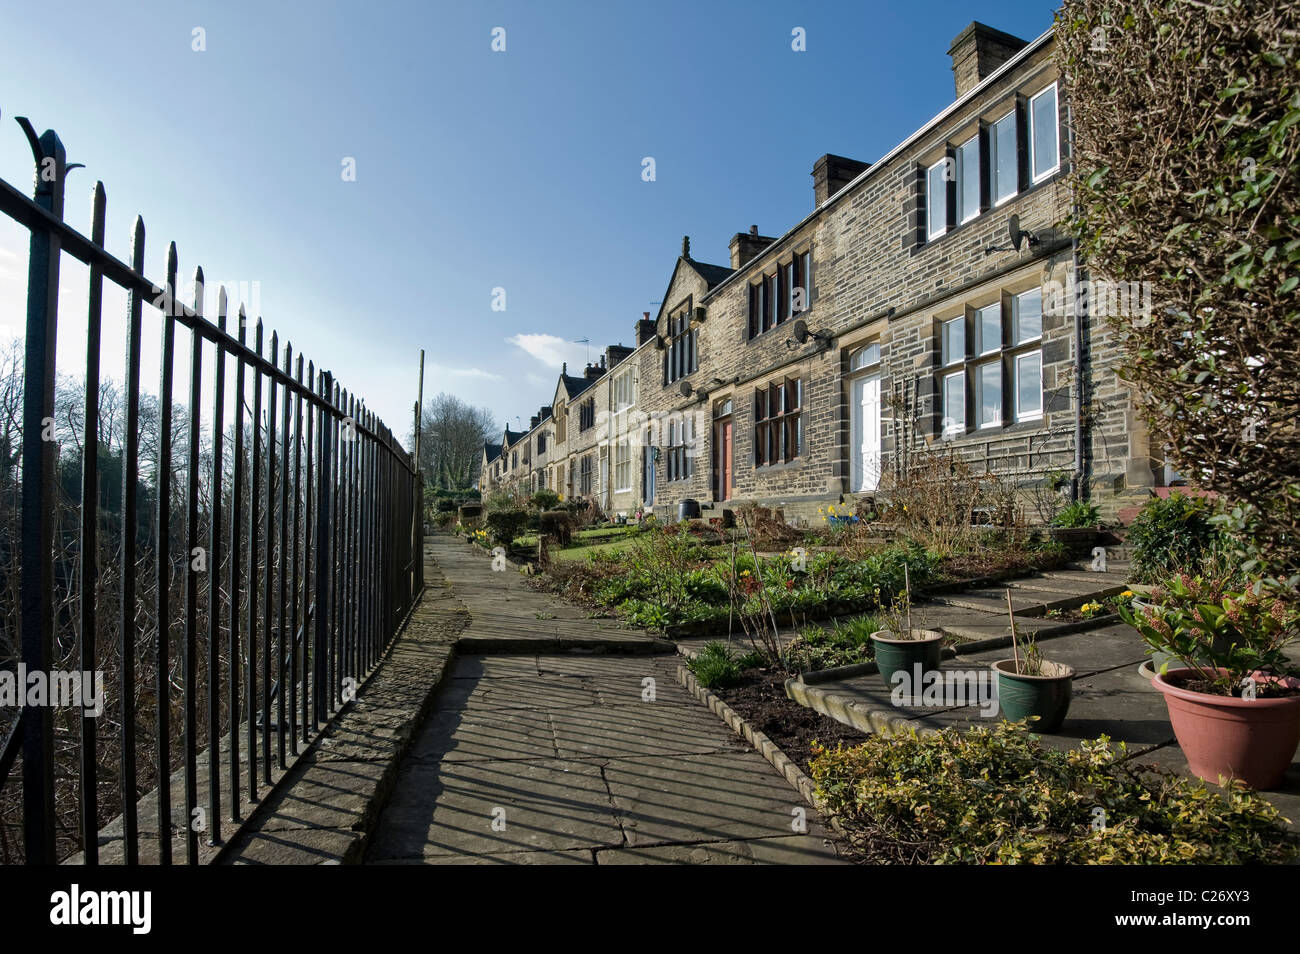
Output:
x=553 y=757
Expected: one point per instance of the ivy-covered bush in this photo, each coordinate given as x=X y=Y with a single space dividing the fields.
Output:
x=997 y=795
x=1186 y=115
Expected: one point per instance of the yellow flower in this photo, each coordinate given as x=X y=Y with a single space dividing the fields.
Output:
x=1127 y=593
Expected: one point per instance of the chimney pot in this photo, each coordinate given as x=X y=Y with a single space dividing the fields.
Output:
x=753 y=230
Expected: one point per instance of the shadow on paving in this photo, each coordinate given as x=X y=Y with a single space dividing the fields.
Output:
x=583 y=757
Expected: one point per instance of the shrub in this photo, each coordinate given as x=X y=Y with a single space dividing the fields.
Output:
x=444 y=519
x=544 y=500
x=506 y=524
x=1194 y=200
x=843 y=644
x=997 y=795
x=716 y=666
x=1172 y=534
x=1077 y=515
x=556 y=524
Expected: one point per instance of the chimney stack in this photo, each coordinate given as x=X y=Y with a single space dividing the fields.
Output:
x=746 y=245
x=832 y=173
x=645 y=329
x=977 y=51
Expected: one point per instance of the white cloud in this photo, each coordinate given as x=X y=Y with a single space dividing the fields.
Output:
x=464 y=373
x=551 y=350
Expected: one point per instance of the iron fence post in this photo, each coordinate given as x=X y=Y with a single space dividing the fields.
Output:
x=39 y=462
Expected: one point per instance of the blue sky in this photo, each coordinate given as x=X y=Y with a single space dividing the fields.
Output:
x=475 y=169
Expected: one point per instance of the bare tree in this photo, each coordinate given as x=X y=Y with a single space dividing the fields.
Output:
x=451 y=441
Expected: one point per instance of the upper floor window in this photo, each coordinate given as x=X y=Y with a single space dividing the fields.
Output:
x=1020 y=149
x=968 y=179
x=1044 y=134
x=541 y=443
x=1004 y=166
x=624 y=393
x=781 y=294
x=936 y=205
x=514 y=459
x=778 y=422
x=587 y=414
x=680 y=359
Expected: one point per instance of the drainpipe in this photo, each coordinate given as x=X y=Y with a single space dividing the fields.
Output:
x=1078 y=488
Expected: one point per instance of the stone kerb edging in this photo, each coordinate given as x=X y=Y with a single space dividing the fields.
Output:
x=765 y=747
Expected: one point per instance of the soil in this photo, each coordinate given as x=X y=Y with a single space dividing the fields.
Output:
x=759 y=698
x=1263 y=690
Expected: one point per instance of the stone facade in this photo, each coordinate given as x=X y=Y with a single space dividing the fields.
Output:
x=741 y=396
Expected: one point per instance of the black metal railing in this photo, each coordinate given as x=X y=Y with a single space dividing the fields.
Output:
x=295 y=561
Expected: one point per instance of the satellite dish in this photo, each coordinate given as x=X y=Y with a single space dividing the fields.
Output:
x=1013 y=227
x=685 y=388
x=800 y=330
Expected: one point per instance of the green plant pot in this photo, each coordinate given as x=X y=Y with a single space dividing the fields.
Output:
x=901 y=655
x=1047 y=696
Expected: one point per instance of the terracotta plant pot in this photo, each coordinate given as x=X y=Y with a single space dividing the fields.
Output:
x=900 y=655
x=1046 y=696
x=1250 y=739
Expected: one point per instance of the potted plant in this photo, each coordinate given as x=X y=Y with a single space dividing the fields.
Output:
x=1029 y=685
x=1234 y=702
x=900 y=648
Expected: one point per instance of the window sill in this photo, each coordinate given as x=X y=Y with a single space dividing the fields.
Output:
x=783 y=465
x=967 y=223
x=784 y=323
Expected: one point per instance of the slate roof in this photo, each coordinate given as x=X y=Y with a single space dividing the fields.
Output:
x=491 y=451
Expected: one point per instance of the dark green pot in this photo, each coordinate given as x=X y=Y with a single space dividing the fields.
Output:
x=1047 y=697
x=901 y=655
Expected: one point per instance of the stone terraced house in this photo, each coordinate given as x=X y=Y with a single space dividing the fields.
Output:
x=928 y=300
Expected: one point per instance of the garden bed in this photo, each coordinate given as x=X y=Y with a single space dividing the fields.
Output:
x=759 y=698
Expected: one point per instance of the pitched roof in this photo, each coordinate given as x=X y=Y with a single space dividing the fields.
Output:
x=712 y=274
x=575 y=386
x=491 y=451
x=513 y=437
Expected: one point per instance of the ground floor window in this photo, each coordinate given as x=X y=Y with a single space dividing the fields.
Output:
x=681 y=460
x=778 y=422
x=622 y=466
x=991 y=365
x=585 y=472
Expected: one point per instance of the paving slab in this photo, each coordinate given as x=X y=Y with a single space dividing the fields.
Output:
x=688 y=798
x=790 y=850
x=452 y=808
x=462 y=735
x=649 y=728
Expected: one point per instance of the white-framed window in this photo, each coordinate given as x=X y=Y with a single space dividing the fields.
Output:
x=968 y=179
x=988 y=329
x=624 y=391
x=988 y=393
x=1003 y=164
x=865 y=357
x=1001 y=380
x=954 y=404
x=954 y=341
x=1027 y=316
x=1029 y=385
x=622 y=466
x=1044 y=134
x=936 y=202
